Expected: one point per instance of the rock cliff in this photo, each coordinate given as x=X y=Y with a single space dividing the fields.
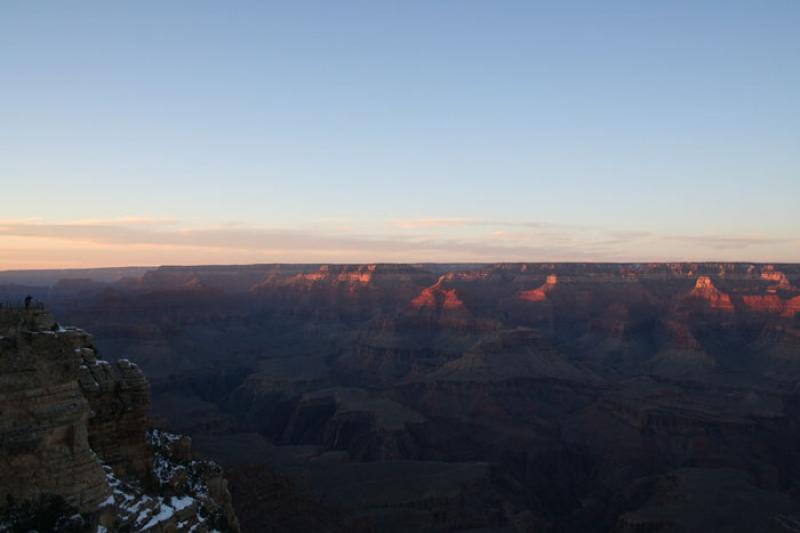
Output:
x=704 y=289
x=44 y=416
x=77 y=454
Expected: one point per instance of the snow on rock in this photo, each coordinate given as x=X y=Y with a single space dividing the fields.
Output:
x=131 y=508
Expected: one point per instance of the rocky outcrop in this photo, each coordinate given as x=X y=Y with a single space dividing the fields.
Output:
x=539 y=294
x=704 y=289
x=509 y=354
x=779 y=278
x=75 y=446
x=367 y=427
x=360 y=275
x=680 y=355
x=792 y=307
x=440 y=298
x=118 y=394
x=185 y=494
x=44 y=416
x=361 y=288
x=764 y=303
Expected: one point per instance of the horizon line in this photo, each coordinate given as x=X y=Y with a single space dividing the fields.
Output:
x=335 y=263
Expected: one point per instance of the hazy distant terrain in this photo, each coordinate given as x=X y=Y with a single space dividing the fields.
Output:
x=509 y=397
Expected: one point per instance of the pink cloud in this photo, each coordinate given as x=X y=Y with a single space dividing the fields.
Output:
x=144 y=241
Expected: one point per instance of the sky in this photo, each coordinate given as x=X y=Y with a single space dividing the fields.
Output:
x=207 y=132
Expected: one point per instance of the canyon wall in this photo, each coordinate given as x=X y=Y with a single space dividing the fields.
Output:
x=76 y=451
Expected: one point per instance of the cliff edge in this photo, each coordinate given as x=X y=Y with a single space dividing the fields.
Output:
x=76 y=451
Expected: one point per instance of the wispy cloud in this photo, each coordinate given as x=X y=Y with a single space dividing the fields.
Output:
x=432 y=222
x=124 y=221
x=414 y=223
x=140 y=240
x=726 y=242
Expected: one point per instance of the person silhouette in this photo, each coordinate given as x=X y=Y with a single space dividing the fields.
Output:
x=28 y=300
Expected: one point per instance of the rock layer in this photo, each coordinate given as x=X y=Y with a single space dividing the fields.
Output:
x=73 y=440
x=43 y=428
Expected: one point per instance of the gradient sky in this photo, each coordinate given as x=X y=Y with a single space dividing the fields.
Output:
x=150 y=132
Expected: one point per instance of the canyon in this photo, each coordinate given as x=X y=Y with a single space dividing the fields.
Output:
x=518 y=397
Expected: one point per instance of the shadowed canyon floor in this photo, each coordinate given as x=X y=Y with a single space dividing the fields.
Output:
x=509 y=397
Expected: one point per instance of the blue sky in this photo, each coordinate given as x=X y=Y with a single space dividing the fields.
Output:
x=226 y=132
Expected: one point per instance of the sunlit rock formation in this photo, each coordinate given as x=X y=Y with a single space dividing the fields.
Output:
x=439 y=298
x=539 y=294
x=704 y=289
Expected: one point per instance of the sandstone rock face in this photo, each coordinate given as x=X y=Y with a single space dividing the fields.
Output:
x=539 y=294
x=360 y=288
x=119 y=396
x=43 y=416
x=770 y=274
x=74 y=441
x=792 y=307
x=439 y=298
x=704 y=289
x=768 y=303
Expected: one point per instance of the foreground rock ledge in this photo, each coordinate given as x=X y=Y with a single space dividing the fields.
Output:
x=77 y=455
